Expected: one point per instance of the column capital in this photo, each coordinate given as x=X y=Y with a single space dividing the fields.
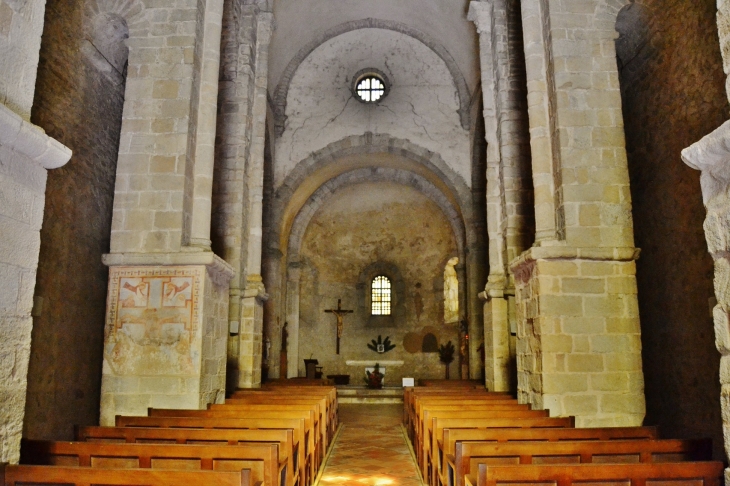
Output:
x=481 y=14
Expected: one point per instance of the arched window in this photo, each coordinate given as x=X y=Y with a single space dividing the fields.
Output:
x=380 y=296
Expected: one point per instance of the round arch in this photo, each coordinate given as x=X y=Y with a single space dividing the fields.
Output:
x=358 y=152
x=281 y=91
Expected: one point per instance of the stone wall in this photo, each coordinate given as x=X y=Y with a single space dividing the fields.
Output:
x=670 y=101
x=366 y=228
x=79 y=98
x=25 y=154
x=21 y=25
x=578 y=346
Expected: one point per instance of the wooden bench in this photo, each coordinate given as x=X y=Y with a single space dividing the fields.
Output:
x=429 y=465
x=74 y=476
x=464 y=404
x=676 y=474
x=305 y=460
x=425 y=424
x=288 y=448
x=411 y=398
x=319 y=405
x=289 y=392
x=452 y=436
x=311 y=419
x=261 y=459
x=470 y=454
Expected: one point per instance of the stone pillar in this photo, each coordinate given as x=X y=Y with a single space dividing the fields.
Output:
x=711 y=155
x=508 y=214
x=579 y=343
x=292 y=318
x=250 y=352
x=26 y=153
x=240 y=154
x=166 y=326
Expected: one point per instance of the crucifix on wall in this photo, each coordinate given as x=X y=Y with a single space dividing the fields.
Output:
x=340 y=313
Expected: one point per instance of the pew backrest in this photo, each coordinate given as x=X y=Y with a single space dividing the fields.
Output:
x=74 y=476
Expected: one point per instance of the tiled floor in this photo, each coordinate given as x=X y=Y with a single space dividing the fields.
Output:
x=370 y=449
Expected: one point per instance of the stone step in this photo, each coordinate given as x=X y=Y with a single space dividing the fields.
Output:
x=362 y=394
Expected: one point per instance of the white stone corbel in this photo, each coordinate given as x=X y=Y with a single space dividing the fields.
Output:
x=31 y=141
x=711 y=155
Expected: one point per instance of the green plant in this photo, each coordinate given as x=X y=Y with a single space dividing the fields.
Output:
x=446 y=353
x=387 y=346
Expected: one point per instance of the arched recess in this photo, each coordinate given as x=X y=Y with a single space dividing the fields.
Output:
x=367 y=150
x=282 y=89
x=365 y=158
x=399 y=176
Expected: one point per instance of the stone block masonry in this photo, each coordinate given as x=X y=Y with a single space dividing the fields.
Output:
x=165 y=339
x=579 y=340
x=25 y=154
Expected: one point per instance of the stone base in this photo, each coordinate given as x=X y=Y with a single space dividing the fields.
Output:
x=165 y=339
x=579 y=341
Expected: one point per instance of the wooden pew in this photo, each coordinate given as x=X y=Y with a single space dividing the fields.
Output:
x=430 y=449
x=311 y=419
x=279 y=403
x=288 y=448
x=288 y=392
x=428 y=413
x=677 y=474
x=74 y=476
x=420 y=404
x=412 y=395
x=305 y=460
x=261 y=459
x=447 y=447
x=470 y=454
x=424 y=428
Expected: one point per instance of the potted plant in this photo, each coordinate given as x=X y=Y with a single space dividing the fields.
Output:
x=374 y=379
x=446 y=355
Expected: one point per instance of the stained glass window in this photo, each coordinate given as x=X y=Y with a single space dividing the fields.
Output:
x=381 y=296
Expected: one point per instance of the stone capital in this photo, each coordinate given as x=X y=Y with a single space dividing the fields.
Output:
x=218 y=269
x=481 y=14
x=711 y=155
x=565 y=252
x=255 y=289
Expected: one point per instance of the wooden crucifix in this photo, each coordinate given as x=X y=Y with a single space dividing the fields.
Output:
x=340 y=313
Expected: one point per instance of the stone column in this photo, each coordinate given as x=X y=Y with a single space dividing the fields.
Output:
x=255 y=295
x=579 y=343
x=508 y=220
x=26 y=153
x=292 y=318
x=240 y=162
x=166 y=326
x=711 y=155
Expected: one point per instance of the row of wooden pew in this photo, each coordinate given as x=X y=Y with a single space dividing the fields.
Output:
x=274 y=436
x=463 y=435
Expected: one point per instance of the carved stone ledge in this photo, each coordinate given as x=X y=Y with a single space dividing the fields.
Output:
x=218 y=269
x=31 y=141
x=711 y=155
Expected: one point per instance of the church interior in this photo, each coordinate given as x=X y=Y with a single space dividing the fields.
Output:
x=202 y=196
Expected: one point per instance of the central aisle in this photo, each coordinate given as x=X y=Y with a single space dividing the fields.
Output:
x=371 y=449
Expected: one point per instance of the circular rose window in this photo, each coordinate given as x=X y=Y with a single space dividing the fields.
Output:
x=370 y=86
